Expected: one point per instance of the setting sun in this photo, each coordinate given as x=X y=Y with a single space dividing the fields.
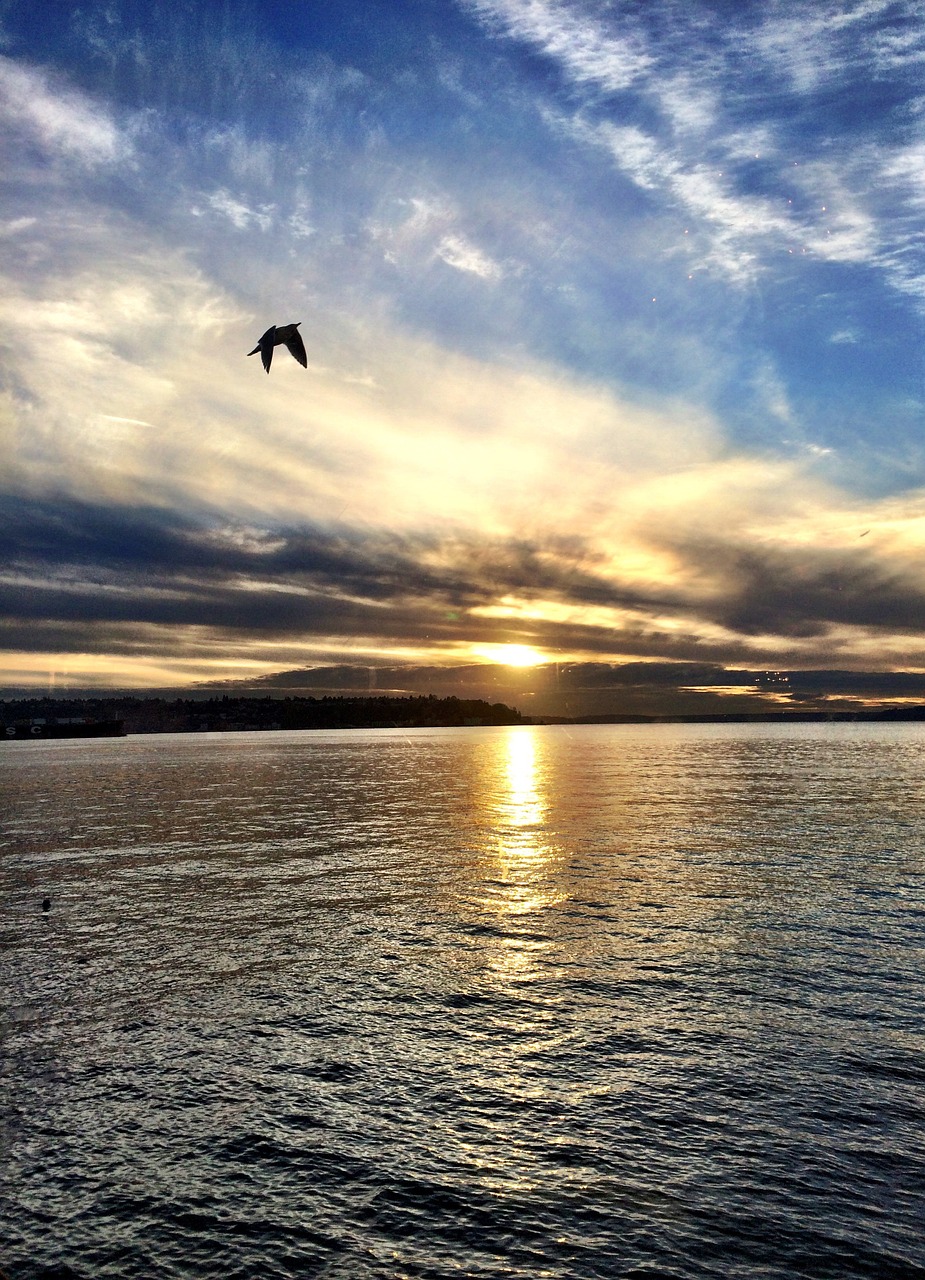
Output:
x=511 y=655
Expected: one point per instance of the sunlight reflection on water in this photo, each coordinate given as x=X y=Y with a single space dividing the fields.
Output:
x=523 y=883
x=503 y=1002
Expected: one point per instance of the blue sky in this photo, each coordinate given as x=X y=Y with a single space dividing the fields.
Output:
x=614 y=314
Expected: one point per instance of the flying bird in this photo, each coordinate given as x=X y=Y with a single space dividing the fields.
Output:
x=277 y=335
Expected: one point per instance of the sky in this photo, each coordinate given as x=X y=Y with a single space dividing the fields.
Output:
x=614 y=315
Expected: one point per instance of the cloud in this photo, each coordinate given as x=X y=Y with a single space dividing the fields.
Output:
x=590 y=53
x=141 y=335
x=15 y=225
x=802 y=592
x=58 y=118
x=651 y=582
x=458 y=252
x=773 y=393
x=701 y=119
x=737 y=226
x=824 y=41
x=499 y=438
x=240 y=215
x=650 y=688
x=424 y=228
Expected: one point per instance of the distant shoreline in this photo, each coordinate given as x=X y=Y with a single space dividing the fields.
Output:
x=43 y=717
x=754 y=717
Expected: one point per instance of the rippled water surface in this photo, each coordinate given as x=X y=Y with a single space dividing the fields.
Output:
x=532 y=1002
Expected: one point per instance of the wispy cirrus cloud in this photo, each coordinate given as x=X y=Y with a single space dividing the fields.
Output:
x=456 y=251
x=241 y=216
x=756 y=192
x=58 y=118
x=732 y=230
x=819 y=44
x=591 y=53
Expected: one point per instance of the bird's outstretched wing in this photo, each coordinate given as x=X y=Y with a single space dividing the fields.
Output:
x=297 y=348
x=265 y=347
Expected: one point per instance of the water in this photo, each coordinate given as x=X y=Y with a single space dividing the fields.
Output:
x=642 y=1001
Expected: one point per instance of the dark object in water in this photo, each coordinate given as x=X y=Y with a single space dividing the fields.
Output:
x=274 y=337
x=46 y=904
x=73 y=727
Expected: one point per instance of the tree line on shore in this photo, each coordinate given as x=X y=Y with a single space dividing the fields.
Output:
x=184 y=715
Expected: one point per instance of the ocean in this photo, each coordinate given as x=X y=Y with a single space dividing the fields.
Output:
x=569 y=1002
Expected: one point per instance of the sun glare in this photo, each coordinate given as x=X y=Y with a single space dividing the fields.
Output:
x=511 y=655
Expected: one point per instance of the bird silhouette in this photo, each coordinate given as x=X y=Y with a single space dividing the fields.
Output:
x=276 y=335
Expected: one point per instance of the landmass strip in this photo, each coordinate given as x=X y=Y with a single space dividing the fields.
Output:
x=52 y=717
x=111 y=715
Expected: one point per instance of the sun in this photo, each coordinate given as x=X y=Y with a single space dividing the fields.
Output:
x=511 y=655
